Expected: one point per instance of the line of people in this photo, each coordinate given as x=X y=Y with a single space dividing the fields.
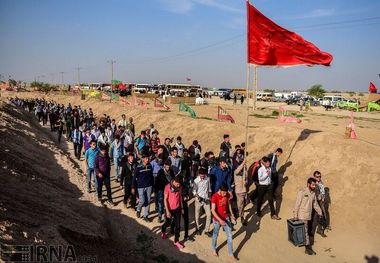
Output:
x=174 y=174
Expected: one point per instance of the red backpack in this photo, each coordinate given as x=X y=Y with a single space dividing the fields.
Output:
x=254 y=176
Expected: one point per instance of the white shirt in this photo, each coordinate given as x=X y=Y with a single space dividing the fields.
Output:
x=264 y=175
x=180 y=148
x=202 y=187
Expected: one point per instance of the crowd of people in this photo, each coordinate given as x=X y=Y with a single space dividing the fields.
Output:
x=173 y=174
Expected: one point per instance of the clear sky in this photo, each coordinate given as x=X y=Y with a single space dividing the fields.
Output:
x=166 y=41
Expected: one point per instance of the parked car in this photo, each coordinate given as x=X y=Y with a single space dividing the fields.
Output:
x=293 y=100
x=279 y=99
x=125 y=92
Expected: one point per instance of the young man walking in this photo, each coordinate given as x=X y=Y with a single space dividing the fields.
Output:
x=222 y=212
x=89 y=162
x=77 y=139
x=319 y=226
x=102 y=168
x=265 y=187
x=202 y=193
x=163 y=178
x=143 y=181
x=273 y=157
x=117 y=152
x=173 y=209
x=128 y=167
x=241 y=182
x=305 y=203
x=219 y=175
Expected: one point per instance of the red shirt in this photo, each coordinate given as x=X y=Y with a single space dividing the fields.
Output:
x=221 y=205
x=174 y=198
x=154 y=143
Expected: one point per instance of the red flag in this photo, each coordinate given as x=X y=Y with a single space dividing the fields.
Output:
x=124 y=102
x=160 y=104
x=223 y=115
x=140 y=103
x=271 y=45
x=372 y=88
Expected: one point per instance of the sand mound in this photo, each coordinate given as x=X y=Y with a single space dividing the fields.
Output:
x=42 y=200
x=349 y=169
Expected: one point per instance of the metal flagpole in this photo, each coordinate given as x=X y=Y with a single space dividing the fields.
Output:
x=246 y=123
x=255 y=87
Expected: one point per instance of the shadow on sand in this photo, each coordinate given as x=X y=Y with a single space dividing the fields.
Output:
x=44 y=205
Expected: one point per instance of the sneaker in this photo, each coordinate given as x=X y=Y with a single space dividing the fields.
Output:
x=309 y=251
x=197 y=232
x=275 y=217
x=111 y=203
x=164 y=236
x=179 y=245
x=138 y=214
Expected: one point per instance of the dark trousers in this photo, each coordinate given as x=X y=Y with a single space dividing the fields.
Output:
x=318 y=224
x=262 y=190
x=107 y=182
x=77 y=150
x=51 y=125
x=128 y=195
x=69 y=134
x=176 y=219
x=185 y=219
x=44 y=119
x=39 y=116
x=274 y=183
x=60 y=135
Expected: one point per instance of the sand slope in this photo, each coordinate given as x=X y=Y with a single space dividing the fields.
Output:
x=349 y=169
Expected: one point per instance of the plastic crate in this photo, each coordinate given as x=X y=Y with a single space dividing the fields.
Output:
x=296 y=232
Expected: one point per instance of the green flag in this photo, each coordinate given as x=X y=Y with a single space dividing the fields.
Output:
x=116 y=82
x=184 y=107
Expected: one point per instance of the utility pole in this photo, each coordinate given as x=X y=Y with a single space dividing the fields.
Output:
x=52 y=78
x=62 y=76
x=78 y=69
x=111 y=62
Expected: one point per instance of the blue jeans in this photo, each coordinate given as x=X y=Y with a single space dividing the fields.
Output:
x=91 y=176
x=116 y=166
x=160 y=203
x=144 y=199
x=228 y=230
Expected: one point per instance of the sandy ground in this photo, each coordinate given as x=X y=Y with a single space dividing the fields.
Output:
x=349 y=168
